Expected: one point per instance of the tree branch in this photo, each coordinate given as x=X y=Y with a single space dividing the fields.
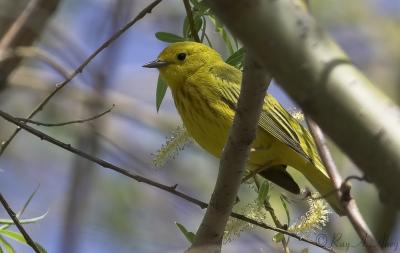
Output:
x=79 y=121
x=129 y=107
x=233 y=159
x=189 y=15
x=21 y=229
x=319 y=77
x=343 y=191
x=78 y=70
x=138 y=178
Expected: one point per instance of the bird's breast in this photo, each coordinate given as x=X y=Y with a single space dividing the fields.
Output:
x=205 y=117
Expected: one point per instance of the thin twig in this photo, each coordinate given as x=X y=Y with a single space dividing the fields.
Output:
x=21 y=229
x=344 y=184
x=268 y=207
x=343 y=191
x=170 y=189
x=192 y=26
x=78 y=70
x=67 y=122
x=233 y=159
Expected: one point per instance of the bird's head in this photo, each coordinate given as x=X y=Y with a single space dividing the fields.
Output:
x=180 y=60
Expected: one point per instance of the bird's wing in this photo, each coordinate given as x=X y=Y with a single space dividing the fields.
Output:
x=274 y=119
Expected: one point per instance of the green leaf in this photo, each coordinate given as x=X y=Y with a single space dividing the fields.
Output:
x=19 y=238
x=278 y=237
x=187 y=31
x=198 y=23
x=219 y=27
x=305 y=250
x=160 y=92
x=263 y=192
x=168 y=37
x=185 y=28
x=285 y=206
x=23 y=221
x=28 y=201
x=188 y=235
x=237 y=58
x=200 y=7
x=6 y=245
x=203 y=29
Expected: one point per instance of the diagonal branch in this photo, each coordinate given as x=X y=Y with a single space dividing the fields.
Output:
x=138 y=178
x=78 y=70
x=343 y=191
x=233 y=159
x=21 y=229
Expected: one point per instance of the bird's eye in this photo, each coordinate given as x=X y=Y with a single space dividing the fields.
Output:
x=181 y=56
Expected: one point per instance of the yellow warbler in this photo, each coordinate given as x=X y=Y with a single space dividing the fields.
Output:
x=206 y=90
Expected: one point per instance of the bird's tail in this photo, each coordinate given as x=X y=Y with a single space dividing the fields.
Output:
x=324 y=185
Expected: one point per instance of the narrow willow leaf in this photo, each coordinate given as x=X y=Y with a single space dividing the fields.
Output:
x=200 y=7
x=208 y=40
x=236 y=59
x=19 y=238
x=203 y=30
x=263 y=193
x=187 y=31
x=198 y=23
x=28 y=201
x=219 y=27
x=285 y=206
x=168 y=37
x=188 y=235
x=6 y=245
x=278 y=237
x=185 y=28
x=23 y=221
x=160 y=92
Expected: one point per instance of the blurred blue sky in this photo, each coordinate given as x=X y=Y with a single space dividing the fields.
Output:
x=133 y=223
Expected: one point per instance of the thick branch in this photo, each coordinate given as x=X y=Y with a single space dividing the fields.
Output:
x=343 y=192
x=318 y=75
x=125 y=172
x=233 y=160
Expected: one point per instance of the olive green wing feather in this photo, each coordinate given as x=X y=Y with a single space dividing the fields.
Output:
x=274 y=118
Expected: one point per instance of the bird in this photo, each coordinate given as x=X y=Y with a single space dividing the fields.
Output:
x=205 y=90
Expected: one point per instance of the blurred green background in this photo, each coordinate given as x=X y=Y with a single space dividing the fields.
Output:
x=91 y=209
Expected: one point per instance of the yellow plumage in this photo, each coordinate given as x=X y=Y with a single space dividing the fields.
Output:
x=206 y=89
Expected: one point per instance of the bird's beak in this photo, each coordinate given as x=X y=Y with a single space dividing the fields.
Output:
x=156 y=64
